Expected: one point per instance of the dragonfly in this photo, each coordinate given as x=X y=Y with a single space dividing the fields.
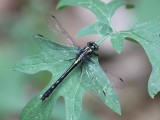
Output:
x=85 y=54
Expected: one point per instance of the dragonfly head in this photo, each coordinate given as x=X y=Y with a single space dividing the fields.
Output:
x=93 y=46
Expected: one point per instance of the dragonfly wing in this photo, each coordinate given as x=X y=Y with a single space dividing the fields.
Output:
x=116 y=81
x=60 y=52
x=59 y=32
x=94 y=79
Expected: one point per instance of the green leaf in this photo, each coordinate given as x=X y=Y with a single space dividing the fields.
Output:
x=58 y=112
x=56 y=59
x=104 y=12
x=96 y=28
x=117 y=42
x=148 y=35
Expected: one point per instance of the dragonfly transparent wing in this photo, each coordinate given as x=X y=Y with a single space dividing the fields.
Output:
x=60 y=34
x=97 y=78
x=116 y=81
x=90 y=79
x=94 y=79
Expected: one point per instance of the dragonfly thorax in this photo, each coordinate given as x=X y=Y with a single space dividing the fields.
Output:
x=93 y=46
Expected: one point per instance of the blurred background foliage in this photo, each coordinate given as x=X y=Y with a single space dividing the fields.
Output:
x=20 y=20
x=147 y=9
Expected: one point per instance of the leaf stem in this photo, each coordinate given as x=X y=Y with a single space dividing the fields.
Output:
x=99 y=41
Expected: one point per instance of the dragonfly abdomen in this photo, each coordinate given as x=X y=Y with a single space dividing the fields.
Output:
x=57 y=83
x=50 y=90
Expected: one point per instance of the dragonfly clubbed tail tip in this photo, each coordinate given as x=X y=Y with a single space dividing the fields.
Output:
x=43 y=97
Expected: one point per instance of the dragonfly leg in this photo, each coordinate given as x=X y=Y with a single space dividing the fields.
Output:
x=96 y=54
x=81 y=67
x=90 y=60
x=104 y=93
x=70 y=59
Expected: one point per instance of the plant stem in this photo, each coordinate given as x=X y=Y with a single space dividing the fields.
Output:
x=99 y=41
